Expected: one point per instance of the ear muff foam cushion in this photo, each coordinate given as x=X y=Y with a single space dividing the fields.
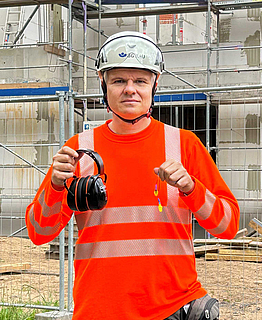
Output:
x=70 y=199
x=80 y=194
x=91 y=196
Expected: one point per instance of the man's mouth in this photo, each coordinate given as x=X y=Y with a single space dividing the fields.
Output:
x=130 y=100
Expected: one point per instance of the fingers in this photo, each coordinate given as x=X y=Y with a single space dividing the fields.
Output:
x=64 y=165
x=175 y=175
x=67 y=152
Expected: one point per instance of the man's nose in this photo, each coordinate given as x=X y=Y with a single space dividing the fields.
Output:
x=130 y=87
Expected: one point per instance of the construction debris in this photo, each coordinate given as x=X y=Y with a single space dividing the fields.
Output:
x=256 y=225
x=242 y=248
x=241 y=233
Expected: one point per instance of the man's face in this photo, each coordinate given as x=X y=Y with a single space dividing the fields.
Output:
x=129 y=91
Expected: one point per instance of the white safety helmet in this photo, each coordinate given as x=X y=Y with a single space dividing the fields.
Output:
x=129 y=49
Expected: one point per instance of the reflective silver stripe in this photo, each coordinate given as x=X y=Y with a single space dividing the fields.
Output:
x=173 y=151
x=172 y=143
x=45 y=231
x=86 y=141
x=132 y=215
x=205 y=211
x=46 y=210
x=133 y=248
x=224 y=223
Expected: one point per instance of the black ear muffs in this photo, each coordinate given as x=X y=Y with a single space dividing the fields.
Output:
x=88 y=193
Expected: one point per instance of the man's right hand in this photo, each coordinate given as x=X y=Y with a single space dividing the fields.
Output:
x=64 y=165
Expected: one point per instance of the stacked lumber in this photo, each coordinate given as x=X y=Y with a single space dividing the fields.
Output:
x=245 y=247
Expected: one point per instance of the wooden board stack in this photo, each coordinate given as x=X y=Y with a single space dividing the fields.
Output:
x=245 y=247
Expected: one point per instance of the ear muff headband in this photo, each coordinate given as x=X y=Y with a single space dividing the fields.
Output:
x=88 y=193
x=96 y=157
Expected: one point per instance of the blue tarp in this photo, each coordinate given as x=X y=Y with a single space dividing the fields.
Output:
x=180 y=97
x=52 y=91
x=31 y=91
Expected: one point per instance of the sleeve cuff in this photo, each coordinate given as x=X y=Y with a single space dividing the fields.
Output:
x=52 y=195
x=196 y=198
x=191 y=190
x=56 y=187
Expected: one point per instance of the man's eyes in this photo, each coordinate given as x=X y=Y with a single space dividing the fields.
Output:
x=118 y=81
x=139 y=81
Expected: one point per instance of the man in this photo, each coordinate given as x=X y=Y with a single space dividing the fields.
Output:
x=134 y=259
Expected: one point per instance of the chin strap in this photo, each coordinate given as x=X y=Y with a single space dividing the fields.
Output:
x=133 y=121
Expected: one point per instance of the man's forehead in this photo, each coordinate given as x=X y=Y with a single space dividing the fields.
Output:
x=133 y=72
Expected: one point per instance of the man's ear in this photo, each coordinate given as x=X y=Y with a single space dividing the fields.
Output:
x=156 y=83
x=100 y=75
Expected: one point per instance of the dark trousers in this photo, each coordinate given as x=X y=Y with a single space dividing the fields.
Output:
x=205 y=308
x=178 y=315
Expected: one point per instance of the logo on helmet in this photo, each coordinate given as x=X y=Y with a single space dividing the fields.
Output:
x=136 y=55
x=122 y=54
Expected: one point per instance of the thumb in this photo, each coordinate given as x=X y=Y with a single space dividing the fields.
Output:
x=80 y=155
x=156 y=170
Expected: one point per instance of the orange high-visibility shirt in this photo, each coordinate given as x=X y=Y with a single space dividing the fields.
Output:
x=132 y=260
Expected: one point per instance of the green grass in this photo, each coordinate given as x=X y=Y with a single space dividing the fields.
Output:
x=19 y=313
x=16 y=313
x=23 y=313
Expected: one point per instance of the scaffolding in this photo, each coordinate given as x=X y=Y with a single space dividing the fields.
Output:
x=215 y=96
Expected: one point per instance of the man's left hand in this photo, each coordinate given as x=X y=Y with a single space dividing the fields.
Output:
x=175 y=175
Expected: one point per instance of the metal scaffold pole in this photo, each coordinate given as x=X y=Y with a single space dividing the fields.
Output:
x=85 y=60
x=62 y=233
x=208 y=25
x=71 y=133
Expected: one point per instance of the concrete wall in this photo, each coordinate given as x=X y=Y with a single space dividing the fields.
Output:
x=31 y=57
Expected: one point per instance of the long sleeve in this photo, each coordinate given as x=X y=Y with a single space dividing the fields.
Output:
x=212 y=203
x=49 y=213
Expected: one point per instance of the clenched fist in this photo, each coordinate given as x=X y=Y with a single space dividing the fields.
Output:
x=175 y=175
x=64 y=165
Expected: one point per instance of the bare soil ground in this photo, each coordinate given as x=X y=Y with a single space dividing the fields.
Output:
x=237 y=285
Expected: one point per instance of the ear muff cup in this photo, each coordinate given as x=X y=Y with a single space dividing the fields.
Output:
x=88 y=193
x=81 y=203
x=96 y=192
x=71 y=195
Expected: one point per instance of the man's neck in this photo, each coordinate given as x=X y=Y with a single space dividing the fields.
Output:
x=118 y=126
